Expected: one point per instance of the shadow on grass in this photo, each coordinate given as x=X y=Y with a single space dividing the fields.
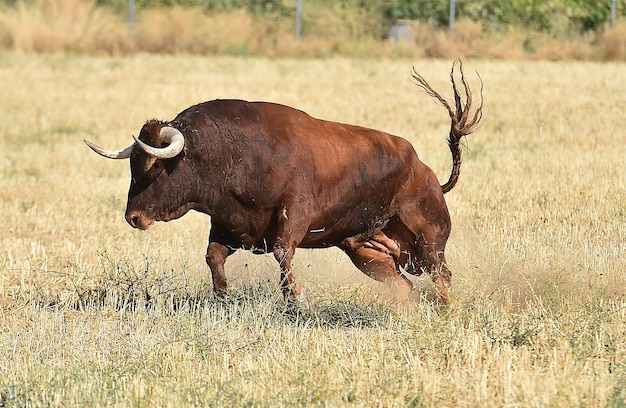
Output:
x=126 y=288
x=150 y=295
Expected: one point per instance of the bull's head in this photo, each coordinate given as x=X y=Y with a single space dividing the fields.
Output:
x=154 y=194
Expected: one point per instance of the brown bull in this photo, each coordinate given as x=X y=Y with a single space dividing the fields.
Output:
x=273 y=178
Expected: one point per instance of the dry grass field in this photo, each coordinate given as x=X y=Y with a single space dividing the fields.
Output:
x=95 y=313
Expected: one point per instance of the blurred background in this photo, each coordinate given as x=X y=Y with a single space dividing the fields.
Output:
x=517 y=29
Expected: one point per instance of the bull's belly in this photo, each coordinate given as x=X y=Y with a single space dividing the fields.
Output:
x=336 y=235
x=314 y=238
x=261 y=236
x=319 y=238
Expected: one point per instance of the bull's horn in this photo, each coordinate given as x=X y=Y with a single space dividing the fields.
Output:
x=169 y=135
x=111 y=154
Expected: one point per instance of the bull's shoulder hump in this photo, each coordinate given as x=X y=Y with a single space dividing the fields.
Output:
x=244 y=104
x=242 y=109
x=271 y=109
x=218 y=105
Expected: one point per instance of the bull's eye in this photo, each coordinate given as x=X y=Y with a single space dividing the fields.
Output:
x=156 y=169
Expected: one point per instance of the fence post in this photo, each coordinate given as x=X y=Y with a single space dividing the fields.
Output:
x=613 y=13
x=298 y=19
x=131 y=16
x=452 y=14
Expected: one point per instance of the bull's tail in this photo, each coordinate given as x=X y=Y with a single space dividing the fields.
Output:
x=463 y=122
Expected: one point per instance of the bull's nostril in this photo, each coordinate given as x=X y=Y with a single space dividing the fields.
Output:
x=138 y=219
x=133 y=220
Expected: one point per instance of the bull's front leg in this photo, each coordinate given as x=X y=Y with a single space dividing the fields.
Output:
x=216 y=255
x=290 y=232
x=291 y=289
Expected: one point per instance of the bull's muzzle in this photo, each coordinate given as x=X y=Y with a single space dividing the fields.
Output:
x=137 y=219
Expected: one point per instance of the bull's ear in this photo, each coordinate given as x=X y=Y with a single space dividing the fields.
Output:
x=111 y=154
x=169 y=135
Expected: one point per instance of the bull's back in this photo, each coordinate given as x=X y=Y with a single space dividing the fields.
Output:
x=335 y=150
x=294 y=136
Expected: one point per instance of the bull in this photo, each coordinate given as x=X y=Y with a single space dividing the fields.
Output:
x=273 y=179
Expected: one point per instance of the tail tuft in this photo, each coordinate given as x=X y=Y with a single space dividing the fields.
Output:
x=463 y=121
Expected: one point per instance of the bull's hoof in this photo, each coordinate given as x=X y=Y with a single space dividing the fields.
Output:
x=220 y=295
x=299 y=298
x=303 y=300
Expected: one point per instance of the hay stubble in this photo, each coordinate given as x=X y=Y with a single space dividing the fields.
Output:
x=96 y=313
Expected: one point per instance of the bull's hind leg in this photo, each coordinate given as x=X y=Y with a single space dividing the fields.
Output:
x=424 y=252
x=422 y=244
x=420 y=258
x=442 y=277
x=377 y=258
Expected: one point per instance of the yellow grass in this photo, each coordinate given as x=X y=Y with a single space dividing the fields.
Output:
x=94 y=313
